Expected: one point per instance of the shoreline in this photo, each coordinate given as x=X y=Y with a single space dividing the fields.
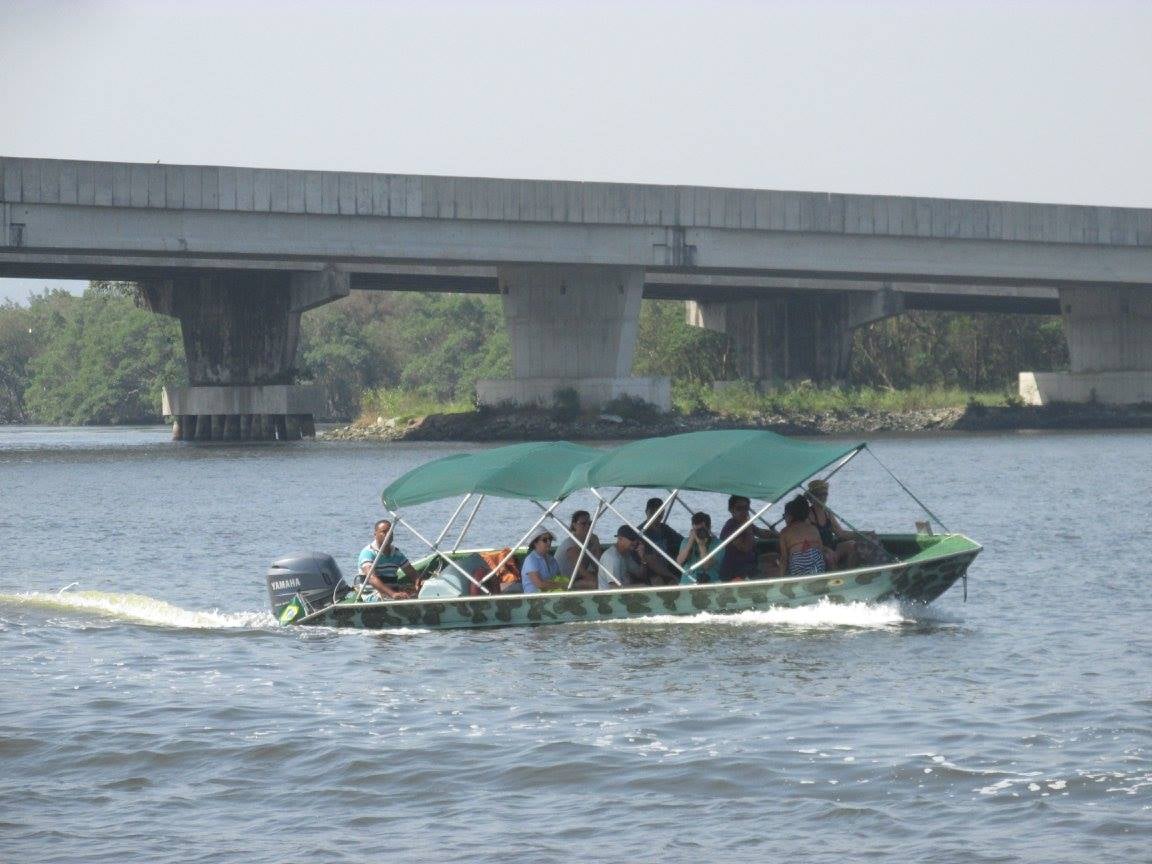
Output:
x=542 y=425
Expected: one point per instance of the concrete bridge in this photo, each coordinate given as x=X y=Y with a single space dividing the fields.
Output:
x=237 y=254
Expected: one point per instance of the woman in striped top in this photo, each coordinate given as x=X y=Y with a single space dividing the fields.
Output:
x=801 y=549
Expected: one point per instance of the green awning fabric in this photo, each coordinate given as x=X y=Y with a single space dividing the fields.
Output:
x=761 y=465
x=533 y=470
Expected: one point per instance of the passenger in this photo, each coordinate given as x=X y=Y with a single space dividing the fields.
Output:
x=568 y=552
x=842 y=552
x=385 y=577
x=740 y=560
x=618 y=560
x=657 y=569
x=540 y=568
x=695 y=547
x=801 y=551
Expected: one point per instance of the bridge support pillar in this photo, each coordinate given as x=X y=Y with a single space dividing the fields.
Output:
x=794 y=336
x=1109 y=333
x=240 y=332
x=572 y=327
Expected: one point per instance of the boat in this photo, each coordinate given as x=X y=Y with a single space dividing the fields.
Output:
x=461 y=586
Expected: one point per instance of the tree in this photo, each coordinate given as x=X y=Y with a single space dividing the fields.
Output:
x=346 y=346
x=448 y=341
x=977 y=351
x=103 y=360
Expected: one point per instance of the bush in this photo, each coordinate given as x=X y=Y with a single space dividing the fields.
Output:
x=631 y=408
x=565 y=404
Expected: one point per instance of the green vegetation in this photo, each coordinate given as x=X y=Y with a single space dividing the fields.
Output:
x=396 y=402
x=741 y=399
x=100 y=358
x=93 y=359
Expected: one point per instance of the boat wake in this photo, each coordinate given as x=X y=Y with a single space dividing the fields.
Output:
x=822 y=615
x=137 y=608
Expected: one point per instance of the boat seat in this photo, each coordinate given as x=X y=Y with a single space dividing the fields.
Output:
x=450 y=582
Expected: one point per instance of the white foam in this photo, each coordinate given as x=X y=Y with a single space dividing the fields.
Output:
x=818 y=615
x=140 y=608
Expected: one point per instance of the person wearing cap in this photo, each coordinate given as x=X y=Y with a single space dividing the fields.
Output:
x=540 y=566
x=619 y=560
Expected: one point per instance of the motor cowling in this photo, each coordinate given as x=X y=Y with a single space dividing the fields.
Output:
x=312 y=575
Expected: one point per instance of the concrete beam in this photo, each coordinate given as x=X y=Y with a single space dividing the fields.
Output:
x=221 y=189
x=53 y=232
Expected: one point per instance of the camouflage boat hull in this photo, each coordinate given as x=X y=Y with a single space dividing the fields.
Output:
x=922 y=578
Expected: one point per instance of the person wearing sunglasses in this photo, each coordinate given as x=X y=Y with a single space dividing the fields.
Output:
x=540 y=569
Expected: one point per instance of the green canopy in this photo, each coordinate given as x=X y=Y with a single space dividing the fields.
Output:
x=533 y=470
x=761 y=465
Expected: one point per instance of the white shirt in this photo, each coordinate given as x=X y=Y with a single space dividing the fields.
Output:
x=621 y=566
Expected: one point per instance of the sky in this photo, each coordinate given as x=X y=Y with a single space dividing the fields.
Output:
x=1031 y=101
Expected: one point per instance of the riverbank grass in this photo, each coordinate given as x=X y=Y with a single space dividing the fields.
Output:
x=737 y=400
x=742 y=399
x=404 y=405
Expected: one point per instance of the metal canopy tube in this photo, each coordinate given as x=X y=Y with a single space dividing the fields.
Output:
x=600 y=508
x=452 y=518
x=512 y=551
x=664 y=505
x=908 y=491
x=663 y=554
x=447 y=559
x=548 y=512
x=684 y=504
x=734 y=534
x=468 y=524
x=387 y=537
x=601 y=505
x=843 y=461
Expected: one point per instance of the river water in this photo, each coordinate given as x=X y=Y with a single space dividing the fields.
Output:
x=153 y=711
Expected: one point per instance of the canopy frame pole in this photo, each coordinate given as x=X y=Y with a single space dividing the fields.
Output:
x=584 y=546
x=452 y=518
x=441 y=554
x=602 y=506
x=468 y=523
x=908 y=492
x=857 y=531
x=844 y=460
x=690 y=572
x=734 y=535
x=548 y=512
x=643 y=539
x=512 y=551
x=364 y=576
x=684 y=504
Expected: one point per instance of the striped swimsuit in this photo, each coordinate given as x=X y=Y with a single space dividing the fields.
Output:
x=807 y=562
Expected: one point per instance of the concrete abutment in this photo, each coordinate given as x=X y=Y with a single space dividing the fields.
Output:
x=1109 y=332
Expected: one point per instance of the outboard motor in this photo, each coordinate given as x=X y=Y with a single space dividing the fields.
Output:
x=312 y=575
